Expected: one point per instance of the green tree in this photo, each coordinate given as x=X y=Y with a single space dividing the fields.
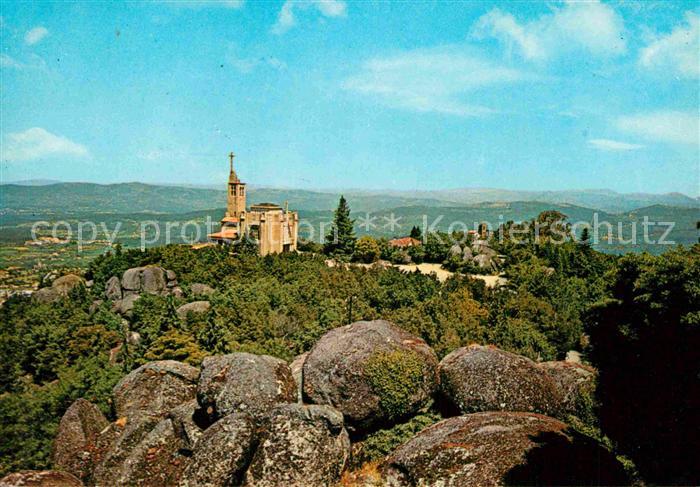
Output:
x=246 y=245
x=340 y=241
x=585 y=239
x=551 y=226
x=436 y=247
x=417 y=254
x=176 y=345
x=645 y=341
x=367 y=250
x=416 y=233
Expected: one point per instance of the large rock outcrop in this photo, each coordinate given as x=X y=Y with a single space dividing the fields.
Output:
x=60 y=288
x=199 y=289
x=43 y=478
x=117 y=443
x=185 y=423
x=152 y=461
x=501 y=448
x=195 y=307
x=484 y=261
x=478 y=378
x=113 y=289
x=372 y=371
x=152 y=280
x=74 y=448
x=575 y=383
x=300 y=446
x=455 y=251
x=222 y=453
x=237 y=423
x=125 y=305
x=155 y=388
x=243 y=382
x=65 y=284
x=138 y=280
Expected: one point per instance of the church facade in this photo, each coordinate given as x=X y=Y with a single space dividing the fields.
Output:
x=275 y=229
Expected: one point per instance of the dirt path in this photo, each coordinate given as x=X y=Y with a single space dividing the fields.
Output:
x=440 y=273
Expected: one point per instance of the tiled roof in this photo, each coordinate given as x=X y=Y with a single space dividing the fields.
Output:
x=404 y=242
x=224 y=234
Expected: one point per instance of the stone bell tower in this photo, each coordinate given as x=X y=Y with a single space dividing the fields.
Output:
x=235 y=206
x=274 y=229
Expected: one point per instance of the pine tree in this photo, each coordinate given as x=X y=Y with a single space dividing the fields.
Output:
x=416 y=233
x=340 y=241
x=585 y=237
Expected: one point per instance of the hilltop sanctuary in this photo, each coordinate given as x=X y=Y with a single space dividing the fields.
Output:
x=275 y=229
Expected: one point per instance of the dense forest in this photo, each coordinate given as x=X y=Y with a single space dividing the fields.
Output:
x=636 y=318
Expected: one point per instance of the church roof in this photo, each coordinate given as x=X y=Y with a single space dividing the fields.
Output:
x=265 y=207
x=224 y=234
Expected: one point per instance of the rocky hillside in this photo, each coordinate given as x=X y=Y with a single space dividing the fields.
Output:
x=254 y=420
x=181 y=366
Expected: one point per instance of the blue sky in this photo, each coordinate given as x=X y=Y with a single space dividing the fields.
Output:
x=331 y=94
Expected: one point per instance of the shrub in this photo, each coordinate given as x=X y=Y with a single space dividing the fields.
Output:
x=645 y=342
x=381 y=443
x=394 y=377
x=367 y=250
x=417 y=254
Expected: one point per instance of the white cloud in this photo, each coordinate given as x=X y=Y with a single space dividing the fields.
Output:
x=332 y=8
x=34 y=62
x=287 y=18
x=35 y=35
x=36 y=143
x=613 y=145
x=665 y=126
x=505 y=28
x=677 y=53
x=246 y=65
x=10 y=62
x=152 y=155
x=430 y=80
x=590 y=26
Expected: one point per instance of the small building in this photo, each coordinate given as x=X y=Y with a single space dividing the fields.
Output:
x=404 y=242
x=275 y=229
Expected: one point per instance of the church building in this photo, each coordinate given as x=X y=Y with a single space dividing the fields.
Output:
x=273 y=228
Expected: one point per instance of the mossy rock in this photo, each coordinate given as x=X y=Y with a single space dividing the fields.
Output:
x=374 y=372
x=501 y=448
x=395 y=376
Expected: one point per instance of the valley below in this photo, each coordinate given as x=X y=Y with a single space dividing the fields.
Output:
x=74 y=222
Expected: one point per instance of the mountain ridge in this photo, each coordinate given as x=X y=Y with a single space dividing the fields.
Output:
x=133 y=196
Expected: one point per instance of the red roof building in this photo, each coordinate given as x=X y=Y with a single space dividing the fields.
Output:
x=404 y=242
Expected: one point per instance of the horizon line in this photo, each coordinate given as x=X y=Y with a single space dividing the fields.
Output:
x=332 y=190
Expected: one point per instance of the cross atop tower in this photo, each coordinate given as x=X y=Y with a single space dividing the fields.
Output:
x=230 y=158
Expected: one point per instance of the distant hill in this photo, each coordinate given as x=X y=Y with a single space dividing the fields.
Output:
x=33 y=182
x=35 y=196
x=15 y=225
x=138 y=197
x=601 y=199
